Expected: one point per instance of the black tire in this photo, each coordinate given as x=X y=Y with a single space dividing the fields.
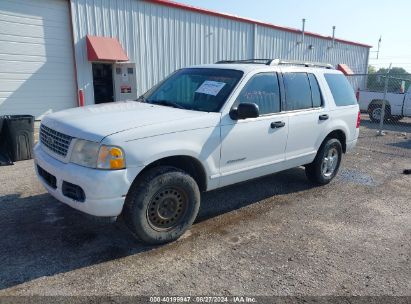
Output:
x=377 y=107
x=161 y=205
x=315 y=172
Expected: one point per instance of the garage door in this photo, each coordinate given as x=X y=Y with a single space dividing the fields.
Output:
x=36 y=61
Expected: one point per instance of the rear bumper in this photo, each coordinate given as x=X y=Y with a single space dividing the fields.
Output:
x=104 y=190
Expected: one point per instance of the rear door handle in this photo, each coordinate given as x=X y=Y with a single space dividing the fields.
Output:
x=277 y=124
x=324 y=117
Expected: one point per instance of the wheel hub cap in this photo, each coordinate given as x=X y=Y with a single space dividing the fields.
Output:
x=330 y=162
x=167 y=208
x=376 y=114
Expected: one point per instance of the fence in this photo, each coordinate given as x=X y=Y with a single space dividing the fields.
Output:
x=387 y=96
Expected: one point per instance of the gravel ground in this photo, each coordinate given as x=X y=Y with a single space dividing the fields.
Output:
x=276 y=235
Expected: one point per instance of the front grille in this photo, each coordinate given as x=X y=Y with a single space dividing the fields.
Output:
x=56 y=142
x=73 y=191
x=47 y=177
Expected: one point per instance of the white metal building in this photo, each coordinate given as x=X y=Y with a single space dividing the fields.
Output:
x=57 y=54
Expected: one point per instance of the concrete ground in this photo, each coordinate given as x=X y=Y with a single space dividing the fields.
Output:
x=277 y=235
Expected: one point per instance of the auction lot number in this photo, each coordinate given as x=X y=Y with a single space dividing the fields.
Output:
x=188 y=299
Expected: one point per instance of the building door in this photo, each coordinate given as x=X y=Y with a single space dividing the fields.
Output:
x=36 y=57
x=103 y=82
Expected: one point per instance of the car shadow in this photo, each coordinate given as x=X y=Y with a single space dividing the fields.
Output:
x=406 y=144
x=43 y=237
x=393 y=126
x=243 y=194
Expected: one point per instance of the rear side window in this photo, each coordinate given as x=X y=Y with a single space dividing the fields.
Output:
x=315 y=91
x=297 y=91
x=341 y=89
x=263 y=90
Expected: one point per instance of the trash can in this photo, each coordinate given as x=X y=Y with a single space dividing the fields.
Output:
x=5 y=158
x=18 y=131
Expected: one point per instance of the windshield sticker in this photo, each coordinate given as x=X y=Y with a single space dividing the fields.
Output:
x=210 y=87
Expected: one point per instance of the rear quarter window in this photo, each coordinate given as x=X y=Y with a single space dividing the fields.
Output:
x=341 y=89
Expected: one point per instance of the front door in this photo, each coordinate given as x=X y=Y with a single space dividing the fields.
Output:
x=103 y=82
x=256 y=146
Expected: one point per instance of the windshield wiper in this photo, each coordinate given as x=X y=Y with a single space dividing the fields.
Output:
x=167 y=103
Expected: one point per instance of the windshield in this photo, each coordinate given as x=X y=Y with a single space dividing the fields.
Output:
x=198 y=89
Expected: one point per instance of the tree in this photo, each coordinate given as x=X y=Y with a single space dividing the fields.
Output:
x=371 y=69
x=398 y=75
x=393 y=71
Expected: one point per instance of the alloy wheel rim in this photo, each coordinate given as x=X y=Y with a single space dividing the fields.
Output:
x=167 y=208
x=330 y=162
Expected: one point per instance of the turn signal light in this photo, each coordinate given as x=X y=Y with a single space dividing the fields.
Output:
x=111 y=158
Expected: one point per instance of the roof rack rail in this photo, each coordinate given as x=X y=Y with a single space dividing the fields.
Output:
x=251 y=60
x=307 y=64
x=279 y=62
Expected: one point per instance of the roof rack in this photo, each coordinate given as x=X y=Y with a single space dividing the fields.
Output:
x=279 y=62
x=251 y=61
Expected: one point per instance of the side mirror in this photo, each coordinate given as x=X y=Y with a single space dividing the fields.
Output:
x=245 y=110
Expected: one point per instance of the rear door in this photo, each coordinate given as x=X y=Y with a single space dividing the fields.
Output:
x=307 y=116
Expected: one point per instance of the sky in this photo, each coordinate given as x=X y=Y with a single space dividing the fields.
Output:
x=361 y=21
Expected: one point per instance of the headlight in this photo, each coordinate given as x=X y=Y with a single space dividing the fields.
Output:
x=91 y=154
x=85 y=153
x=110 y=157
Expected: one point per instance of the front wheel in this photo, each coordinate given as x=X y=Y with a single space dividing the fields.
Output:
x=326 y=164
x=162 y=205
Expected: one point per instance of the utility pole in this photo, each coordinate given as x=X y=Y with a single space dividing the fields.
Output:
x=379 y=44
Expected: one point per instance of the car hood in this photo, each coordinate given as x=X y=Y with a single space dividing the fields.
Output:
x=99 y=121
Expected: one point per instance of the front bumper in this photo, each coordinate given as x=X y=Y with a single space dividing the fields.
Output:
x=104 y=190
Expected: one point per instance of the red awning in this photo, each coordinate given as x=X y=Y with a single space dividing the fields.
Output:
x=104 y=49
x=345 y=69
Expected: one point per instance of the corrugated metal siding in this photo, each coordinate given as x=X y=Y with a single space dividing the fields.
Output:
x=161 y=39
x=36 y=62
x=273 y=43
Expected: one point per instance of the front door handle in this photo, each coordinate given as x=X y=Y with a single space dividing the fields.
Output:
x=324 y=117
x=277 y=124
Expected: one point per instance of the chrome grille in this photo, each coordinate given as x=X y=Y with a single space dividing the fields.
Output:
x=56 y=142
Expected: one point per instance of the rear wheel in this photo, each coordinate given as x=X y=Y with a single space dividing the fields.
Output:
x=162 y=205
x=375 y=112
x=326 y=164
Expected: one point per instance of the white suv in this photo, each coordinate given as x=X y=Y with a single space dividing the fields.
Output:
x=202 y=128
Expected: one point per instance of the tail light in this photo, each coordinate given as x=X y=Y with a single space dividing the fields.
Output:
x=358 y=119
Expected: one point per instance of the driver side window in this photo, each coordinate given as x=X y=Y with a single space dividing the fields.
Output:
x=263 y=90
